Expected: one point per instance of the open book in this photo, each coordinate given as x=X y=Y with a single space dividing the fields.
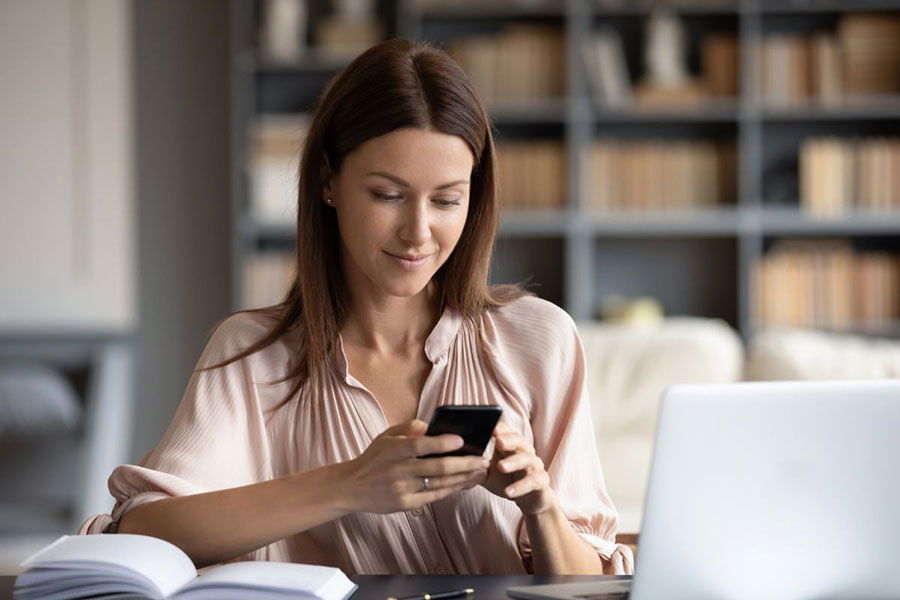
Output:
x=123 y=565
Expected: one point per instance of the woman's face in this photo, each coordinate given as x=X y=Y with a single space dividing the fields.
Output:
x=401 y=201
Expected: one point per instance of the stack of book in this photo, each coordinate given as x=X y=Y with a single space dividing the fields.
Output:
x=870 y=47
x=267 y=278
x=659 y=175
x=273 y=165
x=862 y=60
x=825 y=283
x=838 y=175
x=519 y=64
x=796 y=69
x=532 y=174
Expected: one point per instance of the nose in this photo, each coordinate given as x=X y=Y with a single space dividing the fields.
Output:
x=415 y=229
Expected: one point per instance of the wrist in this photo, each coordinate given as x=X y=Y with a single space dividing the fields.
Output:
x=324 y=486
x=339 y=481
x=541 y=503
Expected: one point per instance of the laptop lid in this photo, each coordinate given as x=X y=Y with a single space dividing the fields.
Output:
x=774 y=490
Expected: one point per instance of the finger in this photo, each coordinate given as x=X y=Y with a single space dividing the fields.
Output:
x=430 y=496
x=435 y=444
x=520 y=461
x=511 y=442
x=446 y=466
x=502 y=429
x=528 y=484
x=409 y=428
x=440 y=482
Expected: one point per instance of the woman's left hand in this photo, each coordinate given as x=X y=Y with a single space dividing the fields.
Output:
x=517 y=473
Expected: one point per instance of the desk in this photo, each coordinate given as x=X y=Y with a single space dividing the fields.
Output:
x=379 y=587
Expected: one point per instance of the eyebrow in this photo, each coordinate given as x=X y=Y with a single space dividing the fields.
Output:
x=399 y=181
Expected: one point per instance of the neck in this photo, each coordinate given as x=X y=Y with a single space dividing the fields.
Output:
x=391 y=326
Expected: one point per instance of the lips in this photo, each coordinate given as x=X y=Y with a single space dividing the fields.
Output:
x=410 y=262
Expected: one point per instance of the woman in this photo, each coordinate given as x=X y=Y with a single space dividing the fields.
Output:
x=297 y=437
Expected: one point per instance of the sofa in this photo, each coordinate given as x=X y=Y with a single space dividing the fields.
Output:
x=630 y=366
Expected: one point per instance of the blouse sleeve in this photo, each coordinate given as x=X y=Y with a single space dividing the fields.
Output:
x=552 y=361
x=216 y=439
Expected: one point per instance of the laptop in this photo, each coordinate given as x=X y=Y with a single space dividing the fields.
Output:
x=787 y=490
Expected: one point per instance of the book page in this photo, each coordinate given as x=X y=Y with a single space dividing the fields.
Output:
x=310 y=580
x=122 y=555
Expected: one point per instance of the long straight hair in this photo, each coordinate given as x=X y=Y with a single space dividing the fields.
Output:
x=395 y=84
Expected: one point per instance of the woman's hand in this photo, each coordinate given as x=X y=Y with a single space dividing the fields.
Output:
x=388 y=476
x=517 y=473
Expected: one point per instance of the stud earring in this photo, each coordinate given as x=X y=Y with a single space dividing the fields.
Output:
x=329 y=201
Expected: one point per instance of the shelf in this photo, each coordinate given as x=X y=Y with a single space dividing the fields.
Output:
x=849 y=110
x=551 y=110
x=819 y=7
x=488 y=10
x=716 y=113
x=533 y=222
x=721 y=222
x=313 y=62
x=645 y=7
x=789 y=221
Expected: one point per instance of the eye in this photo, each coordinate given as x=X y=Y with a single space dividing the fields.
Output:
x=385 y=197
x=448 y=202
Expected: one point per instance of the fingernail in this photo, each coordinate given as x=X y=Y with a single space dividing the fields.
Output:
x=458 y=442
x=485 y=462
x=511 y=491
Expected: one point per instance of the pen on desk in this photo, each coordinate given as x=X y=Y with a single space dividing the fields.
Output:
x=437 y=596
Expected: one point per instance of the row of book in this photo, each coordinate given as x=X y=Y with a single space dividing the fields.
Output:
x=532 y=174
x=520 y=63
x=659 y=175
x=827 y=284
x=860 y=60
x=608 y=75
x=838 y=175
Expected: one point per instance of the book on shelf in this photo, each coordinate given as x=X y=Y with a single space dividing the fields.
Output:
x=659 y=175
x=273 y=161
x=138 y=566
x=838 y=175
x=860 y=60
x=826 y=283
x=607 y=69
x=532 y=174
x=720 y=64
x=521 y=63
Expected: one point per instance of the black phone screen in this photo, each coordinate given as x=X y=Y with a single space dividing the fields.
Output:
x=474 y=424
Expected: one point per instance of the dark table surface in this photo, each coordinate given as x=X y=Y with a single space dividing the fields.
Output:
x=379 y=587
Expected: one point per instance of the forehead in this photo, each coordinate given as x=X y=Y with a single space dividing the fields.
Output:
x=419 y=156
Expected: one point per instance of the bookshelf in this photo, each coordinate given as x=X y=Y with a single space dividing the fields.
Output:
x=699 y=261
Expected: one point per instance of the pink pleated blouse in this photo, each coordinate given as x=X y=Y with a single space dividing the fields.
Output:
x=224 y=435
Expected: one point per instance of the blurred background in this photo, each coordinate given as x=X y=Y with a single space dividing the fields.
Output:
x=710 y=188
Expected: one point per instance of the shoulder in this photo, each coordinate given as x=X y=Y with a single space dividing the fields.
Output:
x=234 y=334
x=530 y=316
x=530 y=327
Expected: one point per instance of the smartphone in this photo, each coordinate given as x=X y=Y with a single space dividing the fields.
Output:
x=474 y=424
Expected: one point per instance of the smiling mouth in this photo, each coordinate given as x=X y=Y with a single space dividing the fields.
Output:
x=410 y=263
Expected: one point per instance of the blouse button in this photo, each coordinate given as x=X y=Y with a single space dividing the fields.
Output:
x=418 y=512
x=440 y=570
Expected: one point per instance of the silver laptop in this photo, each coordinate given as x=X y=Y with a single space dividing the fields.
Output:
x=784 y=490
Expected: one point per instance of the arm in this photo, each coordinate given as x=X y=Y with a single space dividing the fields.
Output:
x=218 y=526
x=520 y=476
x=221 y=525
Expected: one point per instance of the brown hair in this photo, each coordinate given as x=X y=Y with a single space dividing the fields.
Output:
x=397 y=83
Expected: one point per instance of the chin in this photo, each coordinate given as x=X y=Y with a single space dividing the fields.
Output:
x=405 y=289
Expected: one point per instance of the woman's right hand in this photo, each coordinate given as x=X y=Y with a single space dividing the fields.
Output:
x=388 y=476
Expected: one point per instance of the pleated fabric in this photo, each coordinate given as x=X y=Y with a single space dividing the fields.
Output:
x=226 y=433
